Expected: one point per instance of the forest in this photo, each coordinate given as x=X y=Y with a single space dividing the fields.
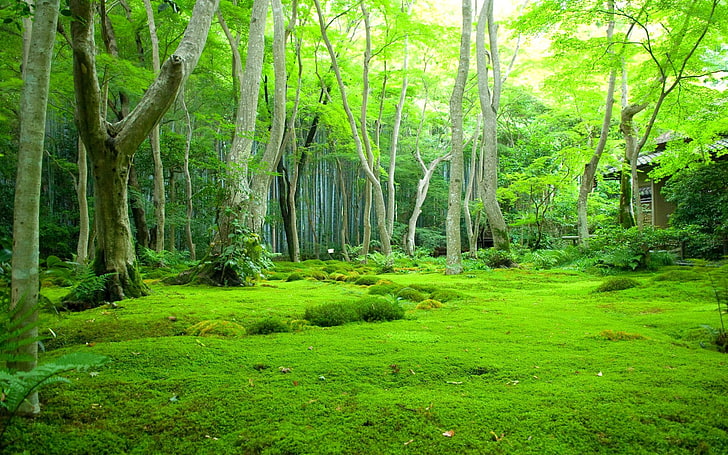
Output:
x=193 y=173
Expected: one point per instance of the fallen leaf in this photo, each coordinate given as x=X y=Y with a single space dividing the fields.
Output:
x=449 y=433
x=409 y=442
x=285 y=370
x=453 y=382
x=295 y=383
x=250 y=382
x=599 y=374
x=497 y=438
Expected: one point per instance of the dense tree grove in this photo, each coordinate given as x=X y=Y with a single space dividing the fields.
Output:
x=341 y=128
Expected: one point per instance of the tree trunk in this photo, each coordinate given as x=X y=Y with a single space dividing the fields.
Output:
x=188 y=180
x=590 y=169
x=33 y=104
x=83 y=216
x=158 y=196
x=489 y=103
x=627 y=214
x=111 y=146
x=138 y=213
x=454 y=200
x=472 y=233
x=261 y=181
x=379 y=205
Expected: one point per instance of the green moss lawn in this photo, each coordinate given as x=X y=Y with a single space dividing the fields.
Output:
x=514 y=362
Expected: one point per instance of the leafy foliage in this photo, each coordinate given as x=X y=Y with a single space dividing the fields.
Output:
x=89 y=292
x=630 y=249
x=17 y=386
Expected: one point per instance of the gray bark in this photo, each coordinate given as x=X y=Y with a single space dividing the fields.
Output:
x=454 y=204
x=489 y=103
x=33 y=105
x=590 y=169
x=111 y=146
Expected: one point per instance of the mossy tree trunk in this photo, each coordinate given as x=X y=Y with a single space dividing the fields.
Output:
x=111 y=146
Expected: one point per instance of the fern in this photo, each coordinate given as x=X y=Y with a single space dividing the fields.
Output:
x=19 y=385
x=13 y=326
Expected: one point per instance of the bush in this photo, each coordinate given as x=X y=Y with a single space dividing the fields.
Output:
x=379 y=309
x=367 y=280
x=412 y=295
x=331 y=314
x=496 y=259
x=268 y=325
x=385 y=288
x=216 y=328
x=617 y=284
x=295 y=276
x=631 y=249
x=429 y=304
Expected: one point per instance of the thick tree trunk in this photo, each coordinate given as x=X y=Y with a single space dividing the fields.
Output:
x=261 y=181
x=489 y=103
x=111 y=146
x=138 y=212
x=455 y=196
x=188 y=181
x=33 y=104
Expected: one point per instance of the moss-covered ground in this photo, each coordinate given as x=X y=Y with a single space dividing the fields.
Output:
x=514 y=362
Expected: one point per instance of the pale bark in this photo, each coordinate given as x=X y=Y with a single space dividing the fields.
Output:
x=158 y=196
x=627 y=206
x=372 y=177
x=391 y=187
x=261 y=181
x=188 y=179
x=590 y=169
x=25 y=283
x=454 y=200
x=111 y=146
x=489 y=103
x=469 y=187
x=83 y=215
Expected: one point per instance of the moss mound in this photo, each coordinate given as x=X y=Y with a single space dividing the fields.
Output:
x=617 y=284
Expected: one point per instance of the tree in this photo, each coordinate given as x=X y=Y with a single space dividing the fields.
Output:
x=454 y=200
x=366 y=160
x=590 y=169
x=489 y=104
x=34 y=101
x=111 y=146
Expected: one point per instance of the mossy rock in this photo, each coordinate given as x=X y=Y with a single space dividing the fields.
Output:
x=367 y=280
x=217 y=327
x=447 y=295
x=429 y=304
x=617 y=284
x=336 y=276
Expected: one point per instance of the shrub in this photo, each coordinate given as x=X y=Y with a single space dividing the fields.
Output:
x=89 y=292
x=367 y=280
x=496 y=259
x=331 y=314
x=617 y=284
x=295 y=276
x=412 y=295
x=429 y=304
x=268 y=325
x=632 y=249
x=385 y=288
x=216 y=327
x=376 y=308
x=446 y=295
